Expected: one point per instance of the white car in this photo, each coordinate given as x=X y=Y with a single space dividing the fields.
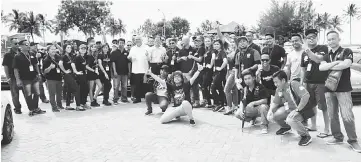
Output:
x=7 y=122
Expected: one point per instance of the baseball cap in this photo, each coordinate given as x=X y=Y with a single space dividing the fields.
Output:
x=311 y=31
x=243 y=37
x=82 y=46
x=165 y=68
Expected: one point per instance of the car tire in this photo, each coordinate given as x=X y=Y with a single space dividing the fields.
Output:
x=8 y=126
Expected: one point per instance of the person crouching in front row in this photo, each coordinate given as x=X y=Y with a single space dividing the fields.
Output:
x=254 y=102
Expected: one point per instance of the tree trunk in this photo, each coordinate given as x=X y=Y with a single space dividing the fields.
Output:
x=350 y=29
x=32 y=36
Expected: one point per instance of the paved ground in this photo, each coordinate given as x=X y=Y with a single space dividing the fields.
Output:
x=123 y=133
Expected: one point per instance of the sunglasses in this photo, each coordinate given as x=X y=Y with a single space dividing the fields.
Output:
x=172 y=43
x=129 y=45
x=264 y=60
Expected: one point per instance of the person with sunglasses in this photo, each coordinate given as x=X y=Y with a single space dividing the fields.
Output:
x=54 y=78
x=172 y=53
x=264 y=75
x=27 y=76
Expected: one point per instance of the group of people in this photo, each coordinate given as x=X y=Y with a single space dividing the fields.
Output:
x=232 y=73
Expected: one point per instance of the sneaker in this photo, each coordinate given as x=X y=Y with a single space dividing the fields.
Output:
x=221 y=109
x=80 y=108
x=283 y=131
x=31 y=113
x=148 y=112
x=115 y=102
x=305 y=140
x=229 y=112
x=94 y=104
x=178 y=117
x=209 y=106
x=136 y=101
x=196 y=104
x=86 y=106
x=334 y=141
x=69 y=108
x=61 y=107
x=39 y=111
x=192 y=122
x=17 y=111
x=56 y=110
x=215 y=109
x=45 y=101
x=125 y=101
x=107 y=103
x=355 y=146
x=163 y=110
x=264 y=130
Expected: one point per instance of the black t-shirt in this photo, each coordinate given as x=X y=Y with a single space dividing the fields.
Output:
x=186 y=65
x=258 y=92
x=67 y=60
x=276 y=53
x=248 y=59
x=170 y=53
x=256 y=47
x=344 y=84
x=105 y=58
x=92 y=61
x=313 y=75
x=219 y=59
x=181 y=93
x=121 y=61
x=207 y=57
x=8 y=61
x=26 y=65
x=55 y=73
x=200 y=53
x=267 y=79
x=80 y=63
x=231 y=60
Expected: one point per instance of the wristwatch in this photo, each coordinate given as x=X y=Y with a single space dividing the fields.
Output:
x=297 y=110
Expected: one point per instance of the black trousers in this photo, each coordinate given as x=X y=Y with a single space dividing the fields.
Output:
x=83 y=88
x=207 y=75
x=139 y=86
x=72 y=89
x=218 y=97
x=107 y=86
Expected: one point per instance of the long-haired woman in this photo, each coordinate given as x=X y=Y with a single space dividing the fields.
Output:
x=92 y=67
x=207 y=72
x=79 y=68
x=72 y=88
x=105 y=75
x=220 y=70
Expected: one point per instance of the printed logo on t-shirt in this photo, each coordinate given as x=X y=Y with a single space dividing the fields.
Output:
x=267 y=78
x=179 y=96
x=248 y=55
x=306 y=58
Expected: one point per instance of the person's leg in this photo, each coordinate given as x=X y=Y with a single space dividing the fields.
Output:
x=184 y=109
x=65 y=89
x=149 y=98
x=206 y=82
x=100 y=87
x=220 y=88
x=14 y=89
x=163 y=103
x=28 y=94
x=52 y=92
x=36 y=93
x=73 y=89
x=228 y=89
x=311 y=88
x=195 y=92
x=235 y=96
x=83 y=86
x=138 y=79
x=124 y=83
x=348 y=118
x=42 y=93
x=280 y=117
x=214 y=90
x=91 y=86
x=107 y=87
x=296 y=124
x=116 y=83
x=59 y=90
x=332 y=106
x=321 y=104
x=263 y=111
x=187 y=109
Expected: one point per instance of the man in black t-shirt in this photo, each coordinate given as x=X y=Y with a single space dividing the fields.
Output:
x=40 y=58
x=172 y=53
x=337 y=59
x=9 y=72
x=277 y=53
x=314 y=79
x=249 y=35
x=254 y=102
x=27 y=76
x=264 y=74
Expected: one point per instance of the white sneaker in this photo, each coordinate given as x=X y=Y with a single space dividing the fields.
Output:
x=264 y=130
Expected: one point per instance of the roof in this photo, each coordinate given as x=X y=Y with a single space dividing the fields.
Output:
x=229 y=28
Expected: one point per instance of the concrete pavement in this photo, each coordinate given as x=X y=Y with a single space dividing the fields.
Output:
x=123 y=133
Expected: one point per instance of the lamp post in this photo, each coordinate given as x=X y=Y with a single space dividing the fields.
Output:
x=163 y=22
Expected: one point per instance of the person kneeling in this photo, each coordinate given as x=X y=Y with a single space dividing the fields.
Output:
x=290 y=107
x=254 y=102
x=161 y=88
x=182 y=98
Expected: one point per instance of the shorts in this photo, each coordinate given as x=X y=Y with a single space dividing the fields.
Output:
x=317 y=95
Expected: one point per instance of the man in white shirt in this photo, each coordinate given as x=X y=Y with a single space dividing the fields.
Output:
x=156 y=56
x=293 y=64
x=138 y=55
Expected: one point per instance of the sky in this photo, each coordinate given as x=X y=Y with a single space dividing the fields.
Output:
x=135 y=12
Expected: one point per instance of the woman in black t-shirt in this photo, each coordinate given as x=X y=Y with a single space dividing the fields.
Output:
x=105 y=75
x=92 y=67
x=180 y=88
x=220 y=63
x=78 y=66
x=207 y=72
x=71 y=88
x=230 y=88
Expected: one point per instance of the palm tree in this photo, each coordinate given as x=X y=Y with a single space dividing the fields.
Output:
x=352 y=11
x=325 y=24
x=115 y=27
x=336 y=23
x=15 y=20
x=32 y=24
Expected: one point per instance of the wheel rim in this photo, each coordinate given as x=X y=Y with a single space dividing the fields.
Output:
x=9 y=123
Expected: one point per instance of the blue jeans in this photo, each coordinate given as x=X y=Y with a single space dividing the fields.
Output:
x=120 y=81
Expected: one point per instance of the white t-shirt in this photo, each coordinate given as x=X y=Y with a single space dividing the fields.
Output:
x=139 y=59
x=294 y=63
x=156 y=54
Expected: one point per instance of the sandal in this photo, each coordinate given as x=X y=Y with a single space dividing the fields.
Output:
x=323 y=135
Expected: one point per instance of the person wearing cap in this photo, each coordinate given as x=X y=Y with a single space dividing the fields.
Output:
x=9 y=72
x=314 y=79
x=181 y=89
x=249 y=35
x=79 y=69
x=27 y=74
x=246 y=60
x=172 y=53
x=161 y=90
x=340 y=58
x=138 y=56
x=40 y=57
x=277 y=53
x=120 y=67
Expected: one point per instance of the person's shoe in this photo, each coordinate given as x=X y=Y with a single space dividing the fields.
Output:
x=221 y=109
x=86 y=106
x=196 y=104
x=163 y=110
x=124 y=101
x=115 y=102
x=229 y=112
x=80 y=108
x=31 y=113
x=133 y=99
x=192 y=122
x=136 y=101
x=56 y=110
x=355 y=146
x=148 y=112
x=283 y=131
x=215 y=109
x=72 y=101
x=69 y=108
x=305 y=140
x=17 y=111
x=178 y=117
x=45 y=101
x=264 y=129
x=209 y=106
x=107 y=103
x=39 y=111
x=334 y=141
x=61 y=107
x=94 y=104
